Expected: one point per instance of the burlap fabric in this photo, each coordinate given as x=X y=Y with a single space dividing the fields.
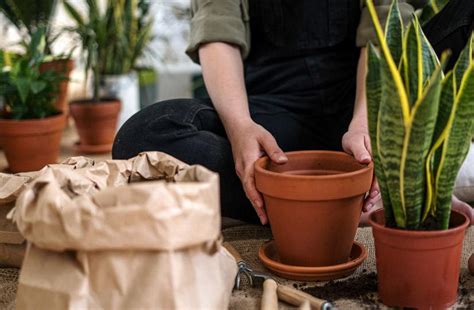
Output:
x=355 y=292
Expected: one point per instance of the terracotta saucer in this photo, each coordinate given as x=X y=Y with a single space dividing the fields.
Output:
x=92 y=149
x=269 y=257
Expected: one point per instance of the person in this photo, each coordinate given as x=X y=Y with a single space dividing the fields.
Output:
x=282 y=75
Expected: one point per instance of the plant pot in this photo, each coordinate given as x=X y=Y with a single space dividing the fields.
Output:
x=96 y=123
x=418 y=269
x=64 y=67
x=125 y=88
x=148 y=81
x=314 y=202
x=29 y=145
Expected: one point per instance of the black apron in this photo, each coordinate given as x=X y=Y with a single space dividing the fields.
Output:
x=303 y=54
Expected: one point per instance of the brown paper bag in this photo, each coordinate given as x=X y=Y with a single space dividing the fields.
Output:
x=98 y=241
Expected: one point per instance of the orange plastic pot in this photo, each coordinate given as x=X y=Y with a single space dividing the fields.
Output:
x=418 y=269
x=314 y=202
x=96 y=123
x=29 y=145
x=63 y=67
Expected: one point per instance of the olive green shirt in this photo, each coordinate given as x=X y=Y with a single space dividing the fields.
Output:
x=228 y=21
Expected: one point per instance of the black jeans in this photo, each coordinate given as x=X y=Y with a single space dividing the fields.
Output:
x=191 y=130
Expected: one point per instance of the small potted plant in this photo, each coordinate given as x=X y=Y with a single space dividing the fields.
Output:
x=30 y=15
x=121 y=34
x=96 y=118
x=420 y=123
x=30 y=125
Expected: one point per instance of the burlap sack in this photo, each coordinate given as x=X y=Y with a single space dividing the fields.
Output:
x=100 y=238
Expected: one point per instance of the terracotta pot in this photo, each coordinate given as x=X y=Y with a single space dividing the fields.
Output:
x=96 y=123
x=61 y=66
x=29 y=145
x=418 y=269
x=314 y=202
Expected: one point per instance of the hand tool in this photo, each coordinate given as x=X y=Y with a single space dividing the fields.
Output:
x=272 y=291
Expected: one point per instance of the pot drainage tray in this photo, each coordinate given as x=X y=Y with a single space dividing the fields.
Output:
x=269 y=257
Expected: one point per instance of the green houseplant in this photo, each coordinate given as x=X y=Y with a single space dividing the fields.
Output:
x=31 y=15
x=113 y=40
x=30 y=125
x=421 y=122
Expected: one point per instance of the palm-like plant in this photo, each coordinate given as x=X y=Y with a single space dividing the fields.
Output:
x=114 y=39
x=31 y=15
x=420 y=121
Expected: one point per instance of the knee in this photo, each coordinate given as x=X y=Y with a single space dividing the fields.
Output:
x=142 y=131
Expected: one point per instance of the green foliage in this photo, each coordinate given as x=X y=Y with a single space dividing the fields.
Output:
x=27 y=92
x=31 y=15
x=431 y=9
x=420 y=122
x=114 y=39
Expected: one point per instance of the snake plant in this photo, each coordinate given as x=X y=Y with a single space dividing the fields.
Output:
x=421 y=121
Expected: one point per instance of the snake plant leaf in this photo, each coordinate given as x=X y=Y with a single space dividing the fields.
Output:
x=432 y=162
x=455 y=146
x=394 y=112
x=463 y=62
x=419 y=62
x=373 y=93
x=394 y=32
x=418 y=138
x=431 y=9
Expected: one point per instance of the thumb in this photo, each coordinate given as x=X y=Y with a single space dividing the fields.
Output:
x=272 y=149
x=360 y=152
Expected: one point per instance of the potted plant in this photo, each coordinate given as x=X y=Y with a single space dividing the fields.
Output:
x=121 y=33
x=30 y=15
x=30 y=125
x=96 y=119
x=420 y=123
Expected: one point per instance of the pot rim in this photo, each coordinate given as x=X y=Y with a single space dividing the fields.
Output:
x=90 y=101
x=418 y=233
x=260 y=163
x=34 y=120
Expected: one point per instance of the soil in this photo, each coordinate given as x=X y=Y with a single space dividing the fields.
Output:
x=363 y=289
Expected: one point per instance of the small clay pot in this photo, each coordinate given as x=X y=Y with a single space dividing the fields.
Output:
x=96 y=123
x=63 y=67
x=418 y=269
x=29 y=145
x=314 y=202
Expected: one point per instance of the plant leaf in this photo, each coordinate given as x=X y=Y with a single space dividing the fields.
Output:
x=417 y=142
x=37 y=86
x=373 y=93
x=23 y=87
x=394 y=32
x=455 y=147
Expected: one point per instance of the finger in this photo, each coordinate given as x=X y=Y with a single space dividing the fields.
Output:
x=374 y=188
x=463 y=207
x=360 y=152
x=253 y=195
x=371 y=202
x=272 y=149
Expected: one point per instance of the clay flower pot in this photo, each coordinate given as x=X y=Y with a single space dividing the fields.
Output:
x=96 y=124
x=314 y=202
x=418 y=269
x=30 y=145
x=64 y=67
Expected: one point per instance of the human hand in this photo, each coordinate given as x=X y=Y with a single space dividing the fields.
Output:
x=356 y=142
x=464 y=208
x=250 y=142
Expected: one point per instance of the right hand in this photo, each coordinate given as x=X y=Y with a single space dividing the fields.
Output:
x=250 y=142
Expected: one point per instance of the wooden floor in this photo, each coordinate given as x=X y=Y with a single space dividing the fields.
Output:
x=69 y=138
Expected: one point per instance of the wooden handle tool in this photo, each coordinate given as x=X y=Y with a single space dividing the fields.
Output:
x=296 y=298
x=269 y=297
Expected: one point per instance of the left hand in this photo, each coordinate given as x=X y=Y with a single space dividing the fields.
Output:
x=356 y=142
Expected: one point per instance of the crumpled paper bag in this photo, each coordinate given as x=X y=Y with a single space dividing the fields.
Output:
x=101 y=237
